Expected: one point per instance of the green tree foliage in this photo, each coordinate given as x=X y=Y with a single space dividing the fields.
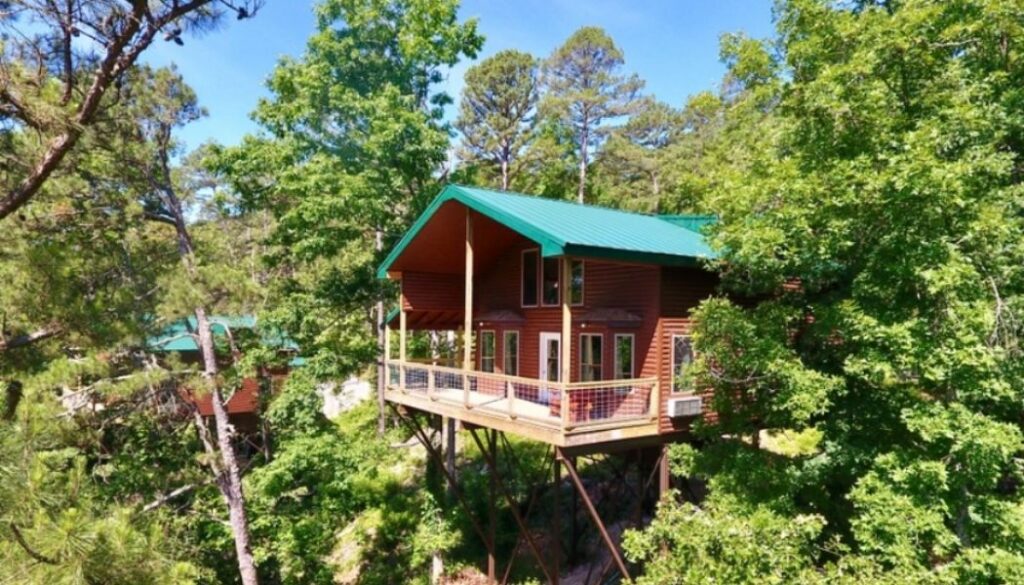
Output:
x=872 y=209
x=58 y=62
x=353 y=135
x=497 y=114
x=636 y=161
x=584 y=89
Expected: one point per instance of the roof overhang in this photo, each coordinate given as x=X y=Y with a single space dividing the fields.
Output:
x=550 y=244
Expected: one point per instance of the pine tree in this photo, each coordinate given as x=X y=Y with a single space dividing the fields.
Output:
x=585 y=89
x=497 y=116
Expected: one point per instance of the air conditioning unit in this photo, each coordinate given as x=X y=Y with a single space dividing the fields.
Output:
x=687 y=406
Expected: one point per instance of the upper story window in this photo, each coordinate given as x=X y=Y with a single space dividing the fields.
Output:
x=529 y=278
x=549 y=282
x=590 y=357
x=487 y=351
x=576 y=286
x=543 y=276
x=682 y=359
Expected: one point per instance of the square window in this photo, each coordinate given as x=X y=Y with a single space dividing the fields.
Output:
x=529 y=278
x=682 y=360
x=590 y=357
x=549 y=282
x=624 y=356
x=487 y=351
x=510 y=366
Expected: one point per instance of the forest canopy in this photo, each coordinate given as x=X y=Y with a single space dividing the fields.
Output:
x=862 y=353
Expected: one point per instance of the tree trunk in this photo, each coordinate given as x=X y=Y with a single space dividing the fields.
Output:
x=230 y=480
x=229 y=477
x=584 y=137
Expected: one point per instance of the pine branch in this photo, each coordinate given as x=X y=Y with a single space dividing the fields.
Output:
x=37 y=556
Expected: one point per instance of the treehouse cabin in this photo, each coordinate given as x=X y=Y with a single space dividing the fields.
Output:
x=575 y=319
x=179 y=338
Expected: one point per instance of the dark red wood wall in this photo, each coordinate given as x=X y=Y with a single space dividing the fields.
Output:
x=663 y=298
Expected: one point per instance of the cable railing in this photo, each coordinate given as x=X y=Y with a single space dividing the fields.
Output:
x=607 y=403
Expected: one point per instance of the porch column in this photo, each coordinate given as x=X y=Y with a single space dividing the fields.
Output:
x=401 y=335
x=467 y=327
x=565 y=285
x=566 y=345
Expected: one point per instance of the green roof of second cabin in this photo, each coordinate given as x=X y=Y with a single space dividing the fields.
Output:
x=565 y=228
x=179 y=335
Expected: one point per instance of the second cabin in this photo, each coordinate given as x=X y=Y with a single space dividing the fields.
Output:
x=577 y=316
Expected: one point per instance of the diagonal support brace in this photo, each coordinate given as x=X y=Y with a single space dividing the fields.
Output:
x=512 y=506
x=424 y=439
x=594 y=515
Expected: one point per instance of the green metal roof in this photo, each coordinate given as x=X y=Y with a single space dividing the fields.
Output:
x=565 y=228
x=694 y=223
x=177 y=336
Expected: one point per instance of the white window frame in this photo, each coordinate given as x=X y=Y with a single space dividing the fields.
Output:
x=558 y=283
x=632 y=355
x=504 y=350
x=579 y=355
x=481 y=352
x=583 y=283
x=672 y=360
x=538 y=272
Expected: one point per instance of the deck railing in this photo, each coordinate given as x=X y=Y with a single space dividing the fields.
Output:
x=590 y=404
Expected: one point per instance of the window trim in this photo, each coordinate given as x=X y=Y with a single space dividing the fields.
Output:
x=672 y=362
x=583 y=282
x=504 y=350
x=480 y=353
x=632 y=355
x=537 y=280
x=579 y=356
x=558 y=283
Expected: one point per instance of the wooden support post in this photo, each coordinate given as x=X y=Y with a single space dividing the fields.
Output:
x=655 y=401
x=492 y=514
x=510 y=395
x=513 y=507
x=448 y=441
x=467 y=323
x=467 y=327
x=387 y=356
x=556 y=511
x=424 y=440
x=565 y=376
x=401 y=336
x=616 y=556
x=664 y=480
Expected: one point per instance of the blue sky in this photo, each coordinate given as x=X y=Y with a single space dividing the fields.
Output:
x=673 y=45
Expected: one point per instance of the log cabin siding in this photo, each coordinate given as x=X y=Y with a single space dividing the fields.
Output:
x=428 y=291
x=682 y=290
x=607 y=285
x=662 y=297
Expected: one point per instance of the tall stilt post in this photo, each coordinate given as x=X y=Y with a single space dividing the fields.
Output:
x=492 y=515
x=596 y=518
x=448 y=432
x=556 y=511
x=664 y=480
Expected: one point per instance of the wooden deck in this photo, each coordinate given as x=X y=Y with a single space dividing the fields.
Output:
x=597 y=412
